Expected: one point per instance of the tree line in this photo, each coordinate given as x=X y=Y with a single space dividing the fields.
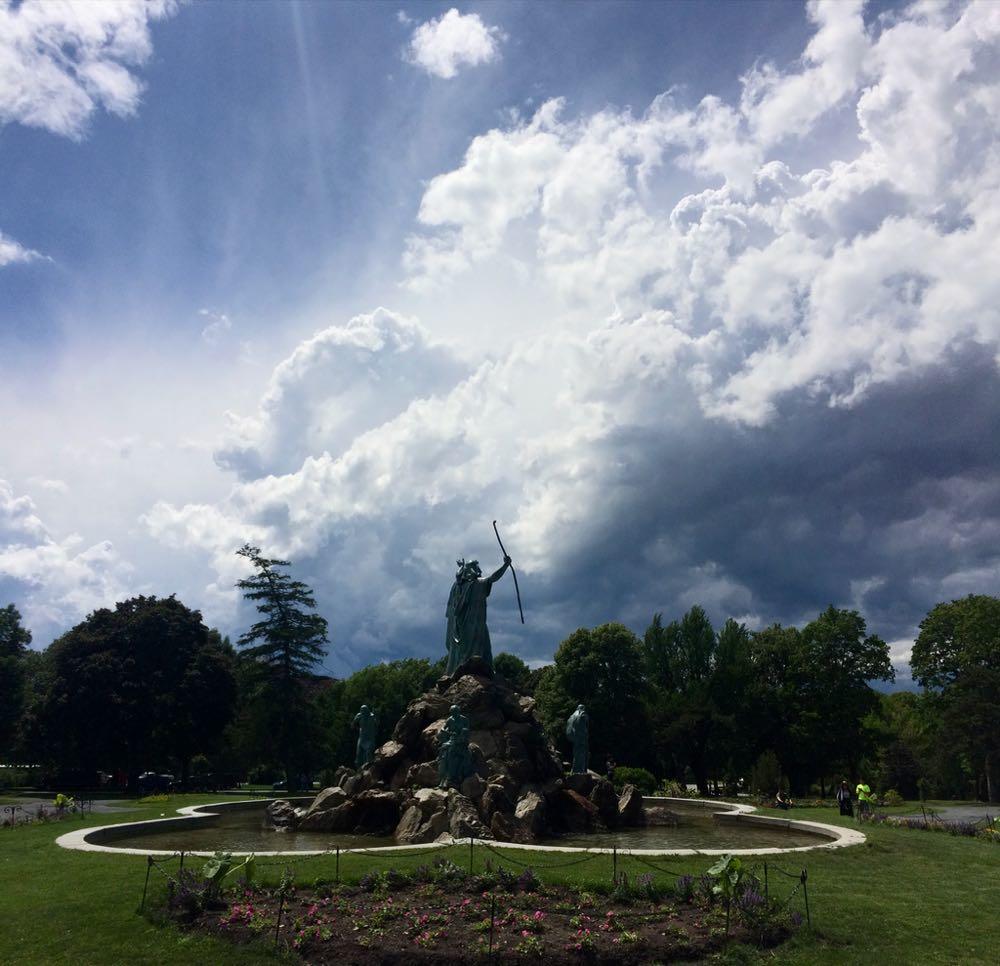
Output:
x=147 y=686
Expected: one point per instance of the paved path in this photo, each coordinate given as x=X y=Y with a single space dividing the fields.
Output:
x=961 y=813
x=29 y=808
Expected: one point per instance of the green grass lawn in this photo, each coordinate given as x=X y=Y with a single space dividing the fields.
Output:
x=904 y=897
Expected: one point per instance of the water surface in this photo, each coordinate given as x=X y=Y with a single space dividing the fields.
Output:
x=245 y=831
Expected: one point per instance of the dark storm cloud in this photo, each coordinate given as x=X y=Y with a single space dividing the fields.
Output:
x=900 y=492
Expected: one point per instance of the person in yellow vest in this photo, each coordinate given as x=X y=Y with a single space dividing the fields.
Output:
x=865 y=800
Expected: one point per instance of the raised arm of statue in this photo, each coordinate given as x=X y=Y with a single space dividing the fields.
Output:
x=497 y=574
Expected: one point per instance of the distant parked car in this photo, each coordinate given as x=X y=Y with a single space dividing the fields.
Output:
x=151 y=783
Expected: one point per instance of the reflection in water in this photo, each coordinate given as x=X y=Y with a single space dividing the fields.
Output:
x=245 y=831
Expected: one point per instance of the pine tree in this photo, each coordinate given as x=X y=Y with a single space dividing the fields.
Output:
x=285 y=645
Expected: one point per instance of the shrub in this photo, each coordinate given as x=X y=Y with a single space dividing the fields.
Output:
x=673 y=789
x=640 y=887
x=892 y=798
x=684 y=888
x=644 y=780
x=765 y=776
x=528 y=881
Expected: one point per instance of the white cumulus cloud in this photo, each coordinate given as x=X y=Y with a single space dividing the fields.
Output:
x=61 y=61
x=11 y=252
x=453 y=40
x=55 y=581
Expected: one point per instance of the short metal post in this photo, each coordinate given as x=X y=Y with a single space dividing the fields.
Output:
x=181 y=868
x=805 y=894
x=149 y=868
x=277 y=925
x=766 y=895
x=493 y=916
x=614 y=865
x=336 y=876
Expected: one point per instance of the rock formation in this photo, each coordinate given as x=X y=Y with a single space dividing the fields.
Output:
x=517 y=792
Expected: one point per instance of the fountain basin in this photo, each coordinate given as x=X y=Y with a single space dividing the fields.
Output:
x=703 y=828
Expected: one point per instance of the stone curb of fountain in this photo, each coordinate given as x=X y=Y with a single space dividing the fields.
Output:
x=200 y=815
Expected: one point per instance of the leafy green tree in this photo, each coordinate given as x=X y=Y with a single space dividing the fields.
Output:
x=133 y=688
x=603 y=669
x=386 y=688
x=956 y=657
x=733 y=747
x=514 y=671
x=284 y=646
x=14 y=641
x=809 y=694
x=659 y=654
x=688 y=727
x=775 y=712
x=839 y=659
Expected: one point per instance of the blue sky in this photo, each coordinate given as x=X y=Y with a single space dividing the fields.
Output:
x=697 y=299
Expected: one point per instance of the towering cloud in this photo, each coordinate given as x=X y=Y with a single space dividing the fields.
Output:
x=784 y=409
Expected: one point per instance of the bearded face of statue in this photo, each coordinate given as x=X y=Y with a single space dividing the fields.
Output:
x=468 y=570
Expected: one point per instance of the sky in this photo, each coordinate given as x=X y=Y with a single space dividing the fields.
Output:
x=699 y=301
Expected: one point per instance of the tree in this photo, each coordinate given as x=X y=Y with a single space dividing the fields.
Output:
x=685 y=722
x=839 y=659
x=133 y=688
x=957 y=657
x=284 y=646
x=775 y=712
x=514 y=671
x=809 y=694
x=601 y=668
x=386 y=688
x=14 y=641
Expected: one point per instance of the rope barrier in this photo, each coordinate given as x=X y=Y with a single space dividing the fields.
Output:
x=652 y=865
x=590 y=856
x=392 y=855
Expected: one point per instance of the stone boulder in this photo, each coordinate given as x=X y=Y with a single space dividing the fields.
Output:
x=416 y=828
x=495 y=799
x=573 y=812
x=431 y=800
x=376 y=812
x=387 y=760
x=282 y=815
x=341 y=818
x=530 y=813
x=422 y=775
x=327 y=799
x=463 y=819
x=473 y=787
x=582 y=782
x=603 y=795
x=516 y=773
x=505 y=828
x=630 y=810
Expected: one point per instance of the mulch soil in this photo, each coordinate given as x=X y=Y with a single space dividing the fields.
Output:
x=428 y=924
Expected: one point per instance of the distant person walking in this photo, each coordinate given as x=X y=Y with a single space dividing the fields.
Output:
x=781 y=802
x=844 y=799
x=865 y=800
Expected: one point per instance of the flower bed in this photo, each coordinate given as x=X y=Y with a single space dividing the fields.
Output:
x=440 y=913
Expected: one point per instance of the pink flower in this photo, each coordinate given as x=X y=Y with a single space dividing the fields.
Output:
x=539 y=915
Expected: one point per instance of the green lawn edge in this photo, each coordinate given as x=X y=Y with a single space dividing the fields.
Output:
x=905 y=896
